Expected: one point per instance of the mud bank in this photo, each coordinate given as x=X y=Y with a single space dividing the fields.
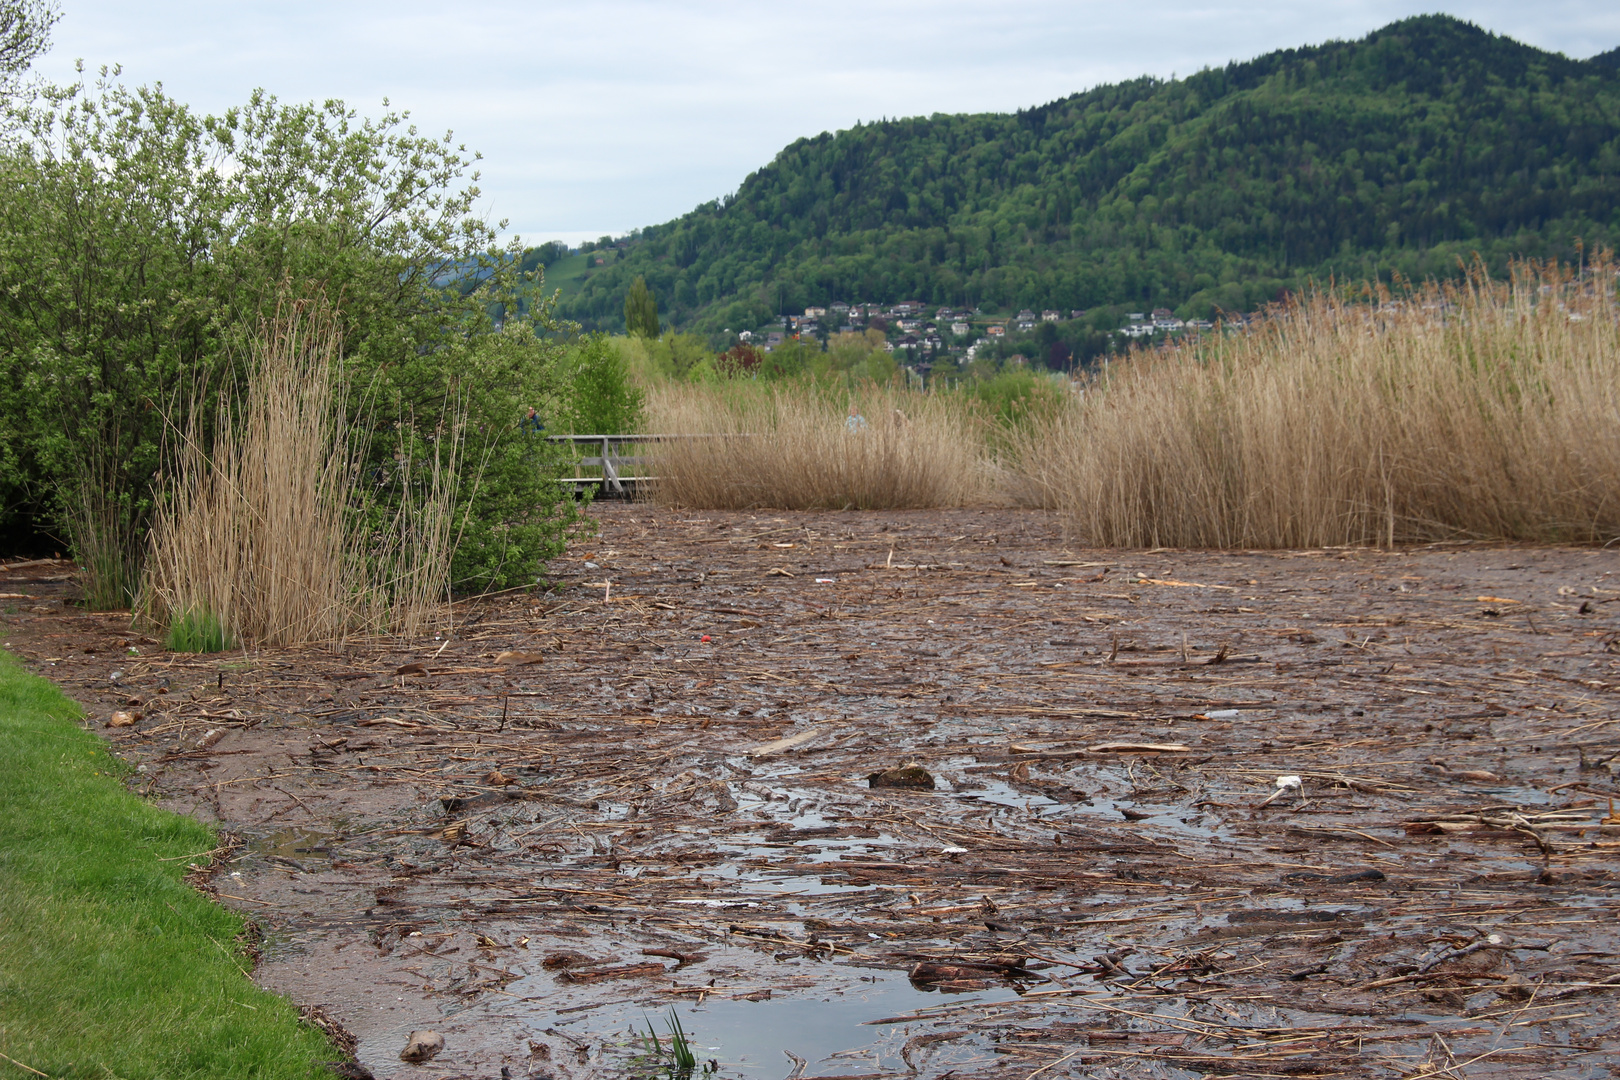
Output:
x=650 y=792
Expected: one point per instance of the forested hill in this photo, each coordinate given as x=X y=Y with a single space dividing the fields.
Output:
x=1425 y=141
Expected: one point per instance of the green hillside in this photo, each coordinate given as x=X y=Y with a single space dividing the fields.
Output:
x=1425 y=142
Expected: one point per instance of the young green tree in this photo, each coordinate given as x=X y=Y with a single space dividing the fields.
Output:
x=677 y=354
x=601 y=399
x=640 y=310
x=25 y=34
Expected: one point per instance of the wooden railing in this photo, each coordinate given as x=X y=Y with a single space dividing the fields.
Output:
x=612 y=481
x=608 y=460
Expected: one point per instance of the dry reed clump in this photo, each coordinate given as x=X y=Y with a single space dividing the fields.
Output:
x=1480 y=410
x=262 y=537
x=792 y=446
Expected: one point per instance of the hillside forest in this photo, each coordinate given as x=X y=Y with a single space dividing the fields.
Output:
x=1404 y=154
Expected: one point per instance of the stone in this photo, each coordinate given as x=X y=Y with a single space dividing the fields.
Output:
x=422 y=1046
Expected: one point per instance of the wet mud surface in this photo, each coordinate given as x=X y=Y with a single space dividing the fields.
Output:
x=649 y=793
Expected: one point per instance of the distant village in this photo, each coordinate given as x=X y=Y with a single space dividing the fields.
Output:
x=922 y=333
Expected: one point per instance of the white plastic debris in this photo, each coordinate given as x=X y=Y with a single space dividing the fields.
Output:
x=1287 y=785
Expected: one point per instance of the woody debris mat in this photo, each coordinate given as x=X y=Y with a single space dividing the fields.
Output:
x=918 y=794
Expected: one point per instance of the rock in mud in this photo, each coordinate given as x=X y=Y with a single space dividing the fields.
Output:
x=912 y=776
x=422 y=1046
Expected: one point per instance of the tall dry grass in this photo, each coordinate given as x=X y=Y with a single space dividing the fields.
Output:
x=1486 y=409
x=790 y=445
x=1481 y=409
x=263 y=530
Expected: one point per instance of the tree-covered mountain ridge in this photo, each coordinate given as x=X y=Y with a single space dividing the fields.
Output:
x=1420 y=145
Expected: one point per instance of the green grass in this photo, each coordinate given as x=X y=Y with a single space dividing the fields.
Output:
x=675 y=1060
x=110 y=965
x=564 y=274
x=198 y=631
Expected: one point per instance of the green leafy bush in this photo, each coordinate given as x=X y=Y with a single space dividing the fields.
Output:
x=511 y=513
x=119 y=199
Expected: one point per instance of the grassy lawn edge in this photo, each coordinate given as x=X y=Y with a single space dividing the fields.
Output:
x=111 y=966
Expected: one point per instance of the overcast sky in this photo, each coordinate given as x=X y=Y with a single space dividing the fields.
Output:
x=597 y=118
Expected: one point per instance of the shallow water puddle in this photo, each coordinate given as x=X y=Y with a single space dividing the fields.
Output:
x=300 y=845
x=835 y=1034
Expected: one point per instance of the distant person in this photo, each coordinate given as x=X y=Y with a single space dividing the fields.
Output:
x=532 y=423
x=854 y=422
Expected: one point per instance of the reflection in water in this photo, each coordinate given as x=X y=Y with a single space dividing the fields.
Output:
x=834 y=1033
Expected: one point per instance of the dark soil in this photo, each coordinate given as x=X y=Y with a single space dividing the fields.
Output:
x=674 y=794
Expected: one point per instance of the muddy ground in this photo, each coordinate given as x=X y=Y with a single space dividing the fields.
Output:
x=647 y=794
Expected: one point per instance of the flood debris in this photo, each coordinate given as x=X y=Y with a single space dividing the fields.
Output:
x=422 y=1046
x=910 y=776
x=778 y=746
x=1289 y=787
x=1104 y=877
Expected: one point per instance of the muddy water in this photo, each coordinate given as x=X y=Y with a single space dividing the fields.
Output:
x=538 y=858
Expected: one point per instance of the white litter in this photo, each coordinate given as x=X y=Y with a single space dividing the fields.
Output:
x=1286 y=785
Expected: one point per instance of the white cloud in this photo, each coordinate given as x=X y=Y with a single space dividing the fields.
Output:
x=599 y=117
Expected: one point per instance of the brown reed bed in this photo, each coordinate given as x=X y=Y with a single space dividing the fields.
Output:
x=794 y=446
x=263 y=536
x=1481 y=410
